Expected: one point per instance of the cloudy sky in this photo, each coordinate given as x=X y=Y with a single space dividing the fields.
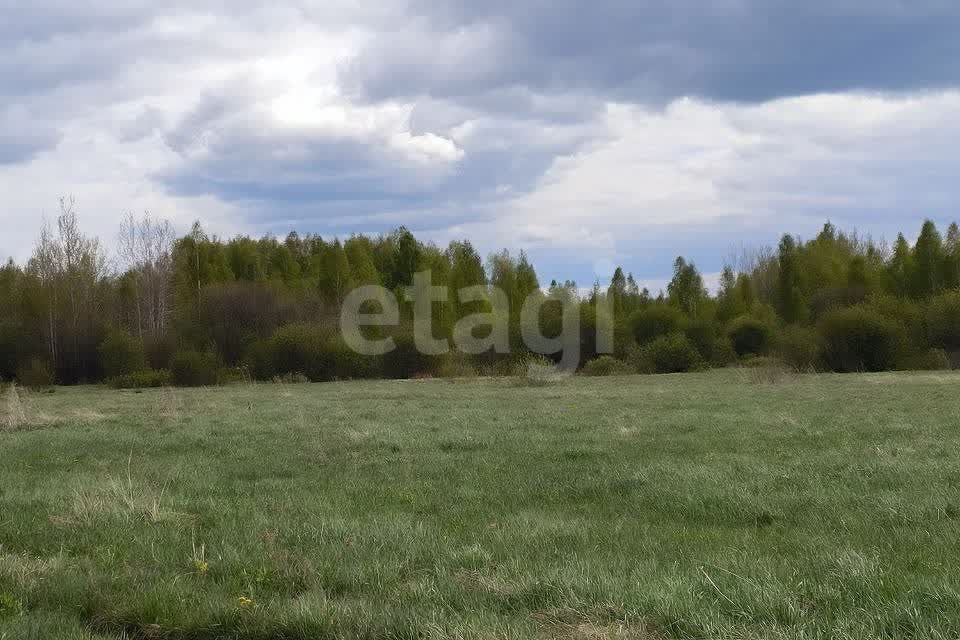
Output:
x=614 y=131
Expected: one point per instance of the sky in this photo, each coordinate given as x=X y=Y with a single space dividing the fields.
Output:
x=587 y=134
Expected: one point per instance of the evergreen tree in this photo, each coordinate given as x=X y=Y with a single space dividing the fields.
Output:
x=617 y=292
x=951 y=271
x=900 y=268
x=686 y=289
x=466 y=270
x=791 y=303
x=527 y=282
x=406 y=258
x=928 y=261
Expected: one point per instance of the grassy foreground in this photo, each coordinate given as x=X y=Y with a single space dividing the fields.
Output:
x=692 y=506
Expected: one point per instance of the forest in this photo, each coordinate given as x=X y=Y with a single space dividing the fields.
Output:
x=201 y=310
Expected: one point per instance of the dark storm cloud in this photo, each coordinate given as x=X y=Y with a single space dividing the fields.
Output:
x=741 y=50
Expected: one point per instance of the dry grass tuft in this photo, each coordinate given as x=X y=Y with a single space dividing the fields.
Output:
x=768 y=372
x=169 y=405
x=569 y=624
x=26 y=570
x=538 y=372
x=124 y=499
x=13 y=416
x=88 y=416
x=473 y=580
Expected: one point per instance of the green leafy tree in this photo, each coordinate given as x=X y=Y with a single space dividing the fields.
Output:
x=335 y=279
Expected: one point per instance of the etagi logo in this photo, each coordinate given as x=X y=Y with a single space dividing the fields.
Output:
x=423 y=294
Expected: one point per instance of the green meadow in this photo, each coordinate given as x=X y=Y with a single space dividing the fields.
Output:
x=709 y=505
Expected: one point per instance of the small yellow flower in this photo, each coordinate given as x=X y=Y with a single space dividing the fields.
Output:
x=201 y=567
x=245 y=602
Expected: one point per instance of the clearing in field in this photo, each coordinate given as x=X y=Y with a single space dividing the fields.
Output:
x=692 y=506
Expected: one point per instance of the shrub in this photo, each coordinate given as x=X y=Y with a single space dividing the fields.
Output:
x=299 y=348
x=348 y=364
x=607 y=366
x=929 y=360
x=144 y=379
x=702 y=333
x=859 y=339
x=906 y=315
x=311 y=351
x=454 y=365
x=799 y=348
x=654 y=322
x=194 y=369
x=159 y=351
x=672 y=353
x=36 y=374
x=749 y=336
x=723 y=353
x=233 y=375
x=405 y=361
x=259 y=360
x=121 y=354
x=943 y=321
x=13 y=340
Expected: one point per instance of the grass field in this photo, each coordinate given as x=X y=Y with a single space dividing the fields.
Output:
x=691 y=506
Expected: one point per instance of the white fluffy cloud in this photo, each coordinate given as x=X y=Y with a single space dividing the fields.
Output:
x=858 y=158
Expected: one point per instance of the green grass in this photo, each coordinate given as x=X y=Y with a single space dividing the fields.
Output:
x=691 y=506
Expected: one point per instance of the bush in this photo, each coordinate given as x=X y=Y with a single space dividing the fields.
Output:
x=259 y=360
x=194 y=369
x=13 y=342
x=943 y=321
x=299 y=348
x=859 y=339
x=311 y=351
x=36 y=374
x=348 y=364
x=405 y=361
x=929 y=360
x=233 y=375
x=454 y=365
x=144 y=379
x=654 y=322
x=723 y=353
x=607 y=366
x=749 y=336
x=799 y=348
x=906 y=314
x=159 y=351
x=672 y=353
x=121 y=354
x=702 y=334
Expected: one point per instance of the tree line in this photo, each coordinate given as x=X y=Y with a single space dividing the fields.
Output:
x=198 y=309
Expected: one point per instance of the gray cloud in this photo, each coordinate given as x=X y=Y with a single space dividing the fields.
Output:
x=657 y=50
x=489 y=119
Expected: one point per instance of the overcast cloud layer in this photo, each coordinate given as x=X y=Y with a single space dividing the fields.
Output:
x=587 y=133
